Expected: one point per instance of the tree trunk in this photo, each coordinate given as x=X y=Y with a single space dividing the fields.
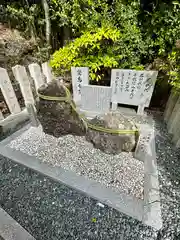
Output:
x=66 y=35
x=30 y=25
x=48 y=22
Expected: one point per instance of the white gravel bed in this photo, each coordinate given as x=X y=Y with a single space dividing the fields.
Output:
x=121 y=172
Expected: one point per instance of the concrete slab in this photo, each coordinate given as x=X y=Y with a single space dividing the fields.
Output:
x=11 y=230
x=152 y=207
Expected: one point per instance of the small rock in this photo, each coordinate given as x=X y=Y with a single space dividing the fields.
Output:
x=100 y=204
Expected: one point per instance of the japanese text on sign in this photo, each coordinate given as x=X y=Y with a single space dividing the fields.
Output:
x=148 y=84
x=116 y=82
x=141 y=80
x=122 y=81
x=133 y=87
x=79 y=79
x=127 y=83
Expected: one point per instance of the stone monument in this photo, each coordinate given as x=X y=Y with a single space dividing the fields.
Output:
x=80 y=76
x=59 y=117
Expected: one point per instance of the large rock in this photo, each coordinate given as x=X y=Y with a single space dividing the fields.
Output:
x=112 y=143
x=58 y=118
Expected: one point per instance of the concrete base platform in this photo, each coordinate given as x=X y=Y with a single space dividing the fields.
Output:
x=123 y=110
x=147 y=210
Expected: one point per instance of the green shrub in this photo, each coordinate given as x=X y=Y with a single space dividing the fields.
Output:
x=133 y=36
x=171 y=65
x=95 y=49
x=132 y=46
x=120 y=45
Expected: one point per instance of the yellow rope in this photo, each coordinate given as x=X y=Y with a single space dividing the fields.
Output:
x=92 y=126
x=50 y=98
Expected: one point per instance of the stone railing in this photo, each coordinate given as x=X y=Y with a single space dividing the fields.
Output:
x=40 y=75
x=172 y=116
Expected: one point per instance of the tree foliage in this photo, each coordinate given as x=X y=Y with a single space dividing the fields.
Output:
x=96 y=49
x=145 y=31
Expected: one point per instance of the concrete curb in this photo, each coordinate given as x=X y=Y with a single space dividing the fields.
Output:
x=152 y=207
x=15 y=134
x=148 y=210
x=13 y=122
x=11 y=230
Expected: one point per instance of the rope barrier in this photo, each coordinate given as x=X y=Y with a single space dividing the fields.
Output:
x=69 y=100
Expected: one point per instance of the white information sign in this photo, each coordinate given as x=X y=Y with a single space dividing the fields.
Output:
x=80 y=76
x=95 y=99
x=132 y=87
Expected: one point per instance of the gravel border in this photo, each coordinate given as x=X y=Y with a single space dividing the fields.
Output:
x=50 y=210
x=120 y=172
x=148 y=211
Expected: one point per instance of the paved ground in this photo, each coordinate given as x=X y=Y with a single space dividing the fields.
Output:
x=49 y=210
